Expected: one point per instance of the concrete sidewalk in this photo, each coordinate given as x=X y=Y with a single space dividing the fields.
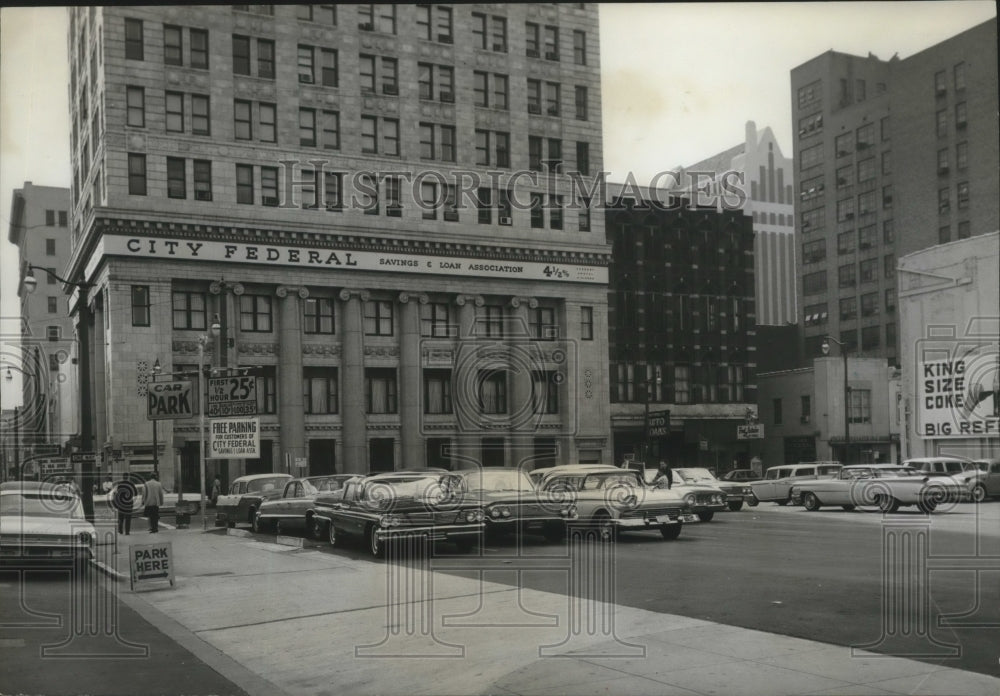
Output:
x=280 y=618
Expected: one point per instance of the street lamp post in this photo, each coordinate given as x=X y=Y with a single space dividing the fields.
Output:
x=657 y=379
x=203 y=399
x=17 y=433
x=156 y=448
x=847 y=395
x=86 y=432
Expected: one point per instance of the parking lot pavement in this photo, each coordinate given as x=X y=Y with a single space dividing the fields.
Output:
x=303 y=621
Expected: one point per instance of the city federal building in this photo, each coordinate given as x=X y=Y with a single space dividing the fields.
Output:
x=380 y=212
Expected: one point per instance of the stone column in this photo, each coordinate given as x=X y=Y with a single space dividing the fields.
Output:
x=464 y=379
x=525 y=356
x=291 y=411
x=569 y=396
x=352 y=384
x=411 y=441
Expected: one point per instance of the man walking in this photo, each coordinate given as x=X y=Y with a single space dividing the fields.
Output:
x=123 y=500
x=152 y=499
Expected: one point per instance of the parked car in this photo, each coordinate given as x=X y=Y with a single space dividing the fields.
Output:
x=512 y=504
x=776 y=486
x=294 y=509
x=382 y=508
x=984 y=477
x=42 y=523
x=964 y=470
x=617 y=500
x=246 y=495
x=735 y=493
x=887 y=486
x=704 y=500
x=745 y=475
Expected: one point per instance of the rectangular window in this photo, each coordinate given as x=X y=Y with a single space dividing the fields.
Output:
x=501 y=144
x=269 y=186
x=584 y=220
x=378 y=318
x=267 y=392
x=890 y=301
x=242 y=120
x=188 y=310
x=537 y=211
x=201 y=120
x=861 y=405
x=963 y=195
x=869 y=304
x=869 y=270
x=942 y=123
x=176 y=177
x=244 y=184
x=329 y=68
x=202 y=180
x=319 y=390
x=544 y=391
x=532 y=40
x=393 y=197
x=814 y=251
x=844 y=144
x=961 y=116
x=551 y=42
x=173 y=45
x=50 y=244
x=581 y=103
x=587 y=323
x=814 y=283
x=552 y=98
x=535 y=153
x=887 y=196
x=480 y=89
x=866 y=169
x=241 y=55
x=493 y=321
x=579 y=47
x=534 y=96
x=811 y=157
x=435 y=320
x=135 y=107
x=318 y=315
x=845 y=210
x=175 y=112
x=848 y=308
x=543 y=324
x=805 y=408
x=380 y=390
x=815 y=314
x=450 y=203
x=136 y=174
x=944 y=234
x=266 y=129
x=140 y=305
x=307 y=127
x=265 y=59
x=964 y=229
x=306 y=65
x=429 y=200
x=944 y=201
x=331 y=130
x=867 y=237
x=888 y=232
x=437 y=391
x=53 y=305
x=962 y=155
x=333 y=186
x=847 y=276
x=492 y=391
x=134 y=46
x=555 y=212
x=199 y=48
x=484 y=206
x=255 y=313
x=63 y=219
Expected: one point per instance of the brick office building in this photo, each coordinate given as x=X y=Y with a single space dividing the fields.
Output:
x=300 y=173
x=681 y=304
x=890 y=157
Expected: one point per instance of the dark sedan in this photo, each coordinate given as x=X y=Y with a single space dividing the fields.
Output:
x=383 y=508
x=294 y=509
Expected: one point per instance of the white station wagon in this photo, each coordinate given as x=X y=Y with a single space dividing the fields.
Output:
x=776 y=486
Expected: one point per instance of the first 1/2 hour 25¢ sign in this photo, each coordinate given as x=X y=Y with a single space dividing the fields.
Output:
x=235 y=395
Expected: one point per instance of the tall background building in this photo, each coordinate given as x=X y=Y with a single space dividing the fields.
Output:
x=314 y=181
x=45 y=363
x=890 y=157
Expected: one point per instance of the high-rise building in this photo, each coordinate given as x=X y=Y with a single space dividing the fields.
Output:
x=39 y=228
x=764 y=174
x=681 y=312
x=374 y=205
x=890 y=157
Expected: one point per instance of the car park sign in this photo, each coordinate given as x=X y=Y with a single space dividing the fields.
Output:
x=170 y=400
x=234 y=395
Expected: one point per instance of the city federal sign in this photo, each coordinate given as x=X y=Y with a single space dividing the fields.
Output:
x=234 y=438
x=344 y=260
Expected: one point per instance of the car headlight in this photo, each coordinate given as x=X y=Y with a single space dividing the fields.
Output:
x=568 y=511
x=474 y=515
x=747 y=490
x=505 y=511
x=690 y=499
x=495 y=511
x=717 y=499
x=388 y=521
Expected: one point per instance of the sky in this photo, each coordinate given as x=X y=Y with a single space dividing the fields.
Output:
x=679 y=82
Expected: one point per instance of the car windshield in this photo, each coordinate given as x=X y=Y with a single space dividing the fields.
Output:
x=608 y=480
x=827 y=470
x=897 y=471
x=422 y=487
x=696 y=475
x=322 y=485
x=502 y=480
x=35 y=504
x=266 y=484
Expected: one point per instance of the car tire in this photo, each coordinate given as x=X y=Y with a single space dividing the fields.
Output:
x=784 y=502
x=332 y=536
x=706 y=516
x=753 y=502
x=887 y=504
x=554 y=532
x=671 y=531
x=376 y=547
x=606 y=530
x=810 y=501
x=848 y=508
x=978 y=493
x=314 y=525
x=736 y=505
x=251 y=515
x=927 y=506
x=279 y=527
x=257 y=525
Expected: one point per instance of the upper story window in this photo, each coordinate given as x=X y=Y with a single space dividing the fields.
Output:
x=543 y=324
x=378 y=318
x=532 y=40
x=489 y=32
x=188 y=310
x=140 y=305
x=435 y=319
x=255 y=313
x=318 y=315
x=377 y=18
x=579 y=47
x=321 y=14
x=434 y=23
x=173 y=45
x=551 y=42
x=134 y=44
